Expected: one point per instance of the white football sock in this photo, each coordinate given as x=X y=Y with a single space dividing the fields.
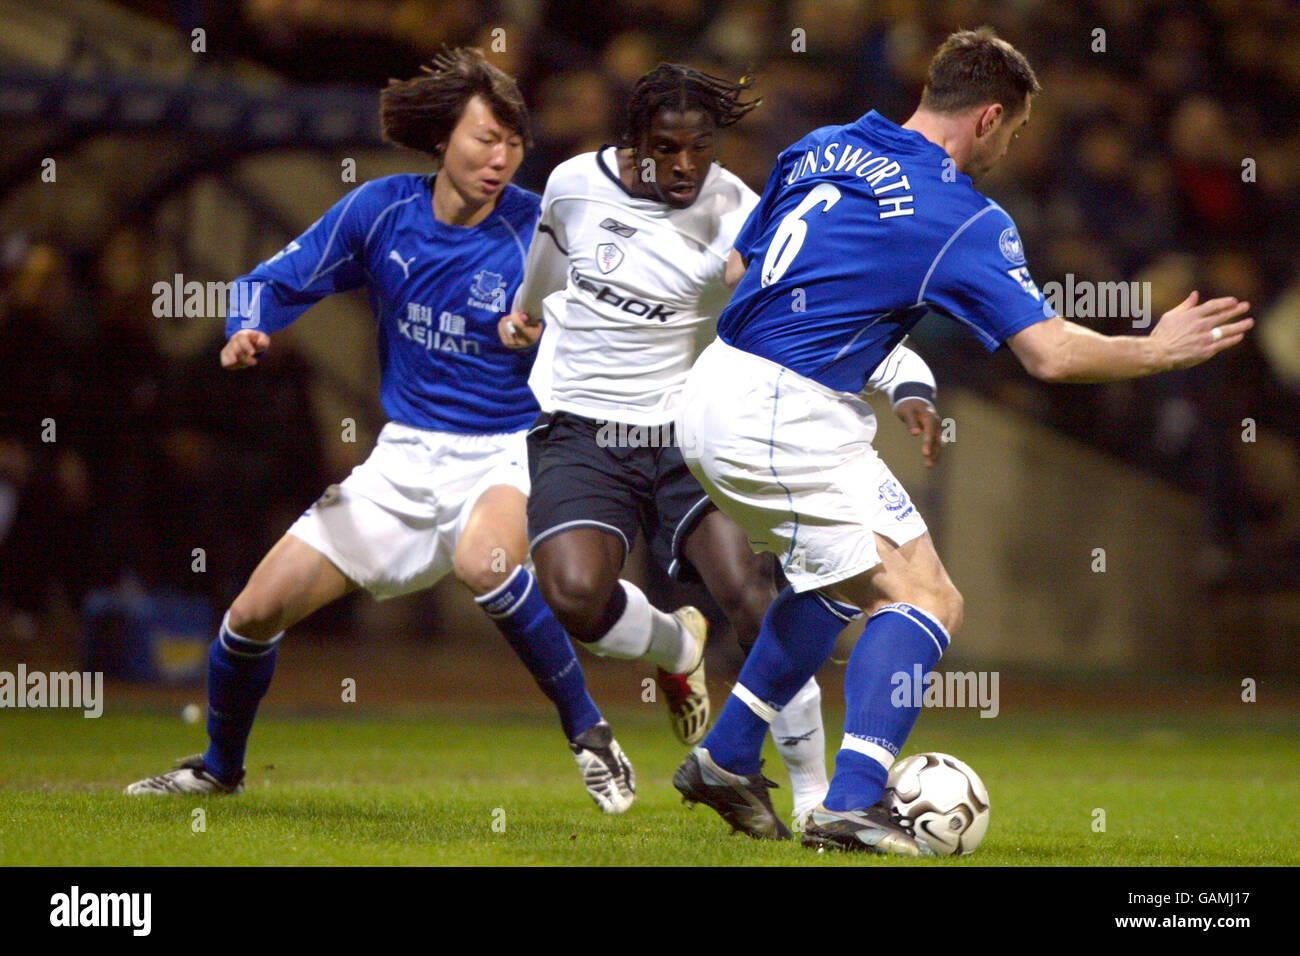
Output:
x=801 y=741
x=643 y=631
x=671 y=646
x=629 y=638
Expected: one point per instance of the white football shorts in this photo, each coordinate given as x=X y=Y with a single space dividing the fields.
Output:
x=392 y=525
x=791 y=462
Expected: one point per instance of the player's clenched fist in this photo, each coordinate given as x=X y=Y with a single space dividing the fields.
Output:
x=519 y=330
x=243 y=348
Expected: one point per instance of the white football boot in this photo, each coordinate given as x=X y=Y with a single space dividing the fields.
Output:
x=607 y=773
x=687 y=694
x=190 y=776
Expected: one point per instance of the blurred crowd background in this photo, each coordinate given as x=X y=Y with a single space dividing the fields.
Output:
x=1165 y=149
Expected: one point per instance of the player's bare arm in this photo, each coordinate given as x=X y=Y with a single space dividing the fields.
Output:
x=736 y=267
x=243 y=348
x=1061 y=351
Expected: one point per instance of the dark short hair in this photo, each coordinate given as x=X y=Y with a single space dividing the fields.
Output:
x=422 y=112
x=975 y=67
x=672 y=86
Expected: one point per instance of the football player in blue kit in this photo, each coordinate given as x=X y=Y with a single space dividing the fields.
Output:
x=445 y=489
x=878 y=224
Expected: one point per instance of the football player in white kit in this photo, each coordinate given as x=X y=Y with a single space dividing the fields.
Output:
x=628 y=271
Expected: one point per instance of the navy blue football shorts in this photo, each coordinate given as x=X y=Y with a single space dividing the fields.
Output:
x=615 y=477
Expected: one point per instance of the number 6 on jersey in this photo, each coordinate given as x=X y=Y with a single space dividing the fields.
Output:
x=793 y=230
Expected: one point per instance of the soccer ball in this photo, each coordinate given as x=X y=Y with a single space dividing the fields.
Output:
x=946 y=801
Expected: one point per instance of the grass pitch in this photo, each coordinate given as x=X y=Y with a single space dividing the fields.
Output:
x=436 y=787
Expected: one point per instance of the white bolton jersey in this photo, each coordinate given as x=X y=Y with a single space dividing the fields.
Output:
x=630 y=289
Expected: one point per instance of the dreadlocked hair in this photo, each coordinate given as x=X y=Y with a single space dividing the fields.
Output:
x=672 y=86
x=421 y=112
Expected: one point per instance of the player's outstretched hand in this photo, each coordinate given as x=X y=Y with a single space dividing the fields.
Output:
x=518 y=330
x=1193 y=331
x=243 y=348
x=920 y=419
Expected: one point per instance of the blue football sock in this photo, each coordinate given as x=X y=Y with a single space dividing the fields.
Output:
x=898 y=638
x=797 y=636
x=520 y=613
x=239 y=673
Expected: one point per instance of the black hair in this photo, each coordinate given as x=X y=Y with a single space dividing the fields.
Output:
x=422 y=112
x=672 y=86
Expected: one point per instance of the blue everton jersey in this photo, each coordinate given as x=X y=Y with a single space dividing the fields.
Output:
x=437 y=292
x=861 y=231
